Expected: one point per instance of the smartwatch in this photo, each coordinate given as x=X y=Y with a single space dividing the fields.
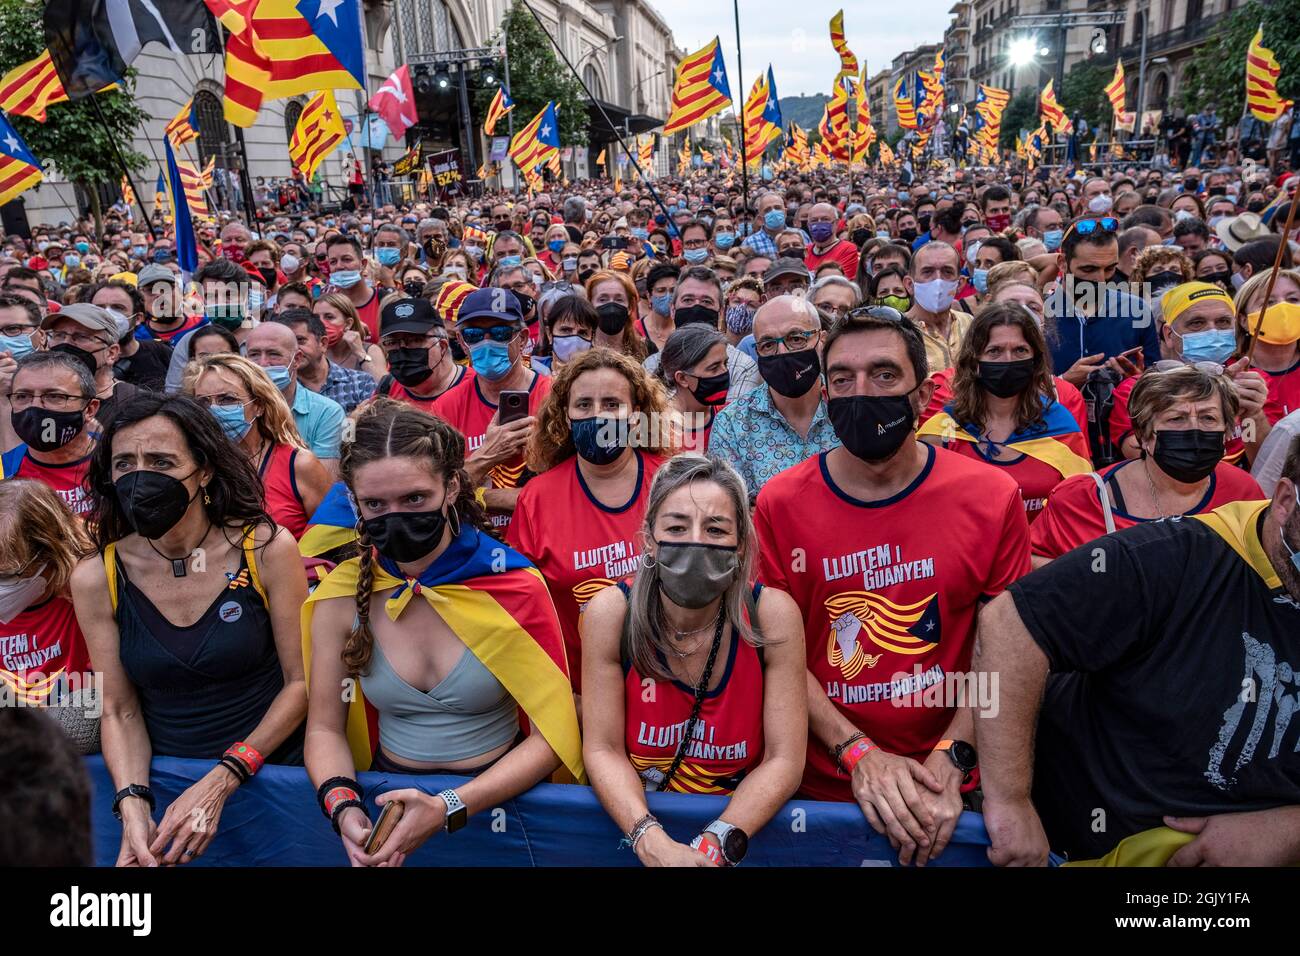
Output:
x=732 y=841
x=134 y=790
x=457 y=812
x=961 y=754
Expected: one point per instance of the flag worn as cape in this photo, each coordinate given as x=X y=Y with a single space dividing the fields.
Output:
x=497 y=603
x=1045 y=443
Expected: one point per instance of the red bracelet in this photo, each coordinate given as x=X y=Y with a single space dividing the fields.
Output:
x=860 y=749
x=247 y=755
x=708 y=849
x=337 y=796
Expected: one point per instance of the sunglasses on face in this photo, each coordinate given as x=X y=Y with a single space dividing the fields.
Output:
x=498 y=333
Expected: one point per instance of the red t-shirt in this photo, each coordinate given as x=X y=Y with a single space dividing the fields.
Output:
x=889 y=591
x=1121 y=425
x=696 y=438
x=40 y=644
x=1073 y=514
x=1283 y=393
x=1066 y=394
x=843 y=252
x=726 y=741
x=470 y=413
x=579 y=544
x=399 y=392
x=280 y=482
x=67 y=479
x=1036 y=478
x=369 y=314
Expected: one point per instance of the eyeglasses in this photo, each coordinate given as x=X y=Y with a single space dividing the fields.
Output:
x=795 y=341
x=1173 y=365
x=498 y=333
x=50 y=401
x=82 y=340
x=208 y=401
x=12 y=330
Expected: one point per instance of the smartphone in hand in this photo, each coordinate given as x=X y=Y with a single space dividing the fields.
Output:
x=388 y=819
x=513 y=406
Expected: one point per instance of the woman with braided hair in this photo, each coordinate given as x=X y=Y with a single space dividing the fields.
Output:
x=449 y=634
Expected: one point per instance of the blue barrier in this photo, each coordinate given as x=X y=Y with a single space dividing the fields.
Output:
x=274 y=821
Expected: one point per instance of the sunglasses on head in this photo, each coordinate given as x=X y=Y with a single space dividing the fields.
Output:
x=498 y=333
x=1086 y=227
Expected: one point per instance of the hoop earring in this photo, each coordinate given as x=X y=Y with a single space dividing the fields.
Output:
x=453 y=522
x=648 y=562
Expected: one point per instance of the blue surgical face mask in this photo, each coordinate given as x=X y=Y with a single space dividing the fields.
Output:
x=1052 y=239
x=565 y=347
x=640 y=233
x=979 y=278
x=72 y=260
x=774 y=219
x=474 y=252
x=279 y=375
x=17 y=345
x=661 y=303
x=556 y=245
x=724 y=240
x=83 y=247
x=232 y=421
x=346 y=278
x=491 y=359
x=510 y=260
x=695 y=256
x=1213 y=345
x=388 y=256
x=139 y=251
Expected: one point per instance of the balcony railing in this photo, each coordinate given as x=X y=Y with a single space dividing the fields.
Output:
x=1188 y=33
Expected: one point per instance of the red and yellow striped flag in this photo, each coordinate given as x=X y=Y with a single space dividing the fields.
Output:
x=28 y=89
x=755 y=104
x=1049 y=110
x=840 y=142
x=700 y=88
x=645 y=152
x=796 y=145
x=848 y=62
x=195 y=183
x=1262 y=72
x=319 y=130
x=1115 y=89
x=184 y=126
x=128 y=194
x=903 y=105
x=501 y=105
x=534 y=144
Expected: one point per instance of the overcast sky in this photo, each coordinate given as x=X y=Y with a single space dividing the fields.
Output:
x=794 y=35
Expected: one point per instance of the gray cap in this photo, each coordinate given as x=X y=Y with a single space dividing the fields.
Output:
x=786 y=266
x=91 y=316
x=154 y=272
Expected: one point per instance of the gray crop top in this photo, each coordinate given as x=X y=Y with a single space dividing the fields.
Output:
x=467 y=714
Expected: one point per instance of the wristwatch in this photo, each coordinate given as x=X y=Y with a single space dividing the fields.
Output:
x=133 y=790
x=732 y=841
x=457 y=812
x=961 y=754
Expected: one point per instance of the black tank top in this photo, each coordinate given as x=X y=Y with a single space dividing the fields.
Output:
x=206 y=686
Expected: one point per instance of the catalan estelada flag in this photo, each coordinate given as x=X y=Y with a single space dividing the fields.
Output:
x=848 y=62
x=184 y=126
x=887 y=154
x=319 y=130
x=932 y=84
x=865 y=134
x=534 y=144
x=501 y=105
x=288 y=47
x=762 y=114
x=128 y=194
x=796 y=145
x=903 y=105
x=19 y=169
x=1262 y=72
x=700 y=88
x=1049 y=110
x=645 y=153
x=497 y=603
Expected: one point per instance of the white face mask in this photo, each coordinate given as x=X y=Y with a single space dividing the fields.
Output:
x=1100 y=204
x=18 y=594
x=936 y=296
x=289 y=263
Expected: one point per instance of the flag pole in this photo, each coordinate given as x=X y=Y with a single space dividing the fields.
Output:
x=1272 y=277
x=668 y=218
x=245 y=180
x=126 y=173
x=744 y=148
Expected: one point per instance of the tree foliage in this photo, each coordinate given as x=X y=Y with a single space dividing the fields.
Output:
x=536 y=76
x=1084 y=91
x=72 y=138
x=1021 y=113
x=1217 y=70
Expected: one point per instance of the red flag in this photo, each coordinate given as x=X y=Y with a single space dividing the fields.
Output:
x=395 y=102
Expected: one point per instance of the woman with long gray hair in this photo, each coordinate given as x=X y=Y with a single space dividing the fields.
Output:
x=693 y=678
x=693 y=367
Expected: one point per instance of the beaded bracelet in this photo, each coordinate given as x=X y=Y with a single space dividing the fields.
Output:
x=338 y=812
x=333 y=782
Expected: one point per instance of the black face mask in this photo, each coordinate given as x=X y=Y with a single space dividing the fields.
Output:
x=152 y=502
x=406 y=536
x=611 y=318
x=458 y=354
x=1218 y=278
x=907 y=235
x=45 y=430
x=923 y=222
x=1188 y=455
x=585 y=274
x=790 y=373
x=268 y=275
x=409 y=366
x=872 y=427
x=526 y=303
x=1190 y=184
x=859 y=236
x=86 y=358
x=1217 y=191
x=1164 y=280
x=1005 y=379
x=703 y=314
x=413 y=288
x=711 y=390
x=591 y=438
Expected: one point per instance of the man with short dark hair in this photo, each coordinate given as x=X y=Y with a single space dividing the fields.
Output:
x=349 y=387
x=826 y=245
x=349 y=273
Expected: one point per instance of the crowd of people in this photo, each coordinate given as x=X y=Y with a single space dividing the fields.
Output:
x=970 y=490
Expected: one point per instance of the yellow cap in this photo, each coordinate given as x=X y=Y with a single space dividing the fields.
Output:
x=130 y=278
x=1182 y=297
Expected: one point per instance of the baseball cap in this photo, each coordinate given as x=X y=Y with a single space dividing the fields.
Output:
x=155 y=273
x=786 y=266
x=90 y=316
x=451 y=296
x=490 y=304
x=408 y=315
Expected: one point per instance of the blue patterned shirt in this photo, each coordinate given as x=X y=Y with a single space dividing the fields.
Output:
x=347 y=386
x=765 y=245
x=755 y=439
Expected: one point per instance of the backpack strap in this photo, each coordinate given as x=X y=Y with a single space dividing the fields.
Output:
x=1102 y=493
x=250 y=557
x=385 y=386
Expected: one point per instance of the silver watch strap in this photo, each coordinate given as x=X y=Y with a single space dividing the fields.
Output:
x=453 y=801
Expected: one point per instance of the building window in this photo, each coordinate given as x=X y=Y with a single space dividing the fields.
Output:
x=292 y=113
x=214 y=133
x=426 y=26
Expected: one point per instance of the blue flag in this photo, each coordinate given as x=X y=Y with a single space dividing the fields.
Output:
x=187 y=249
